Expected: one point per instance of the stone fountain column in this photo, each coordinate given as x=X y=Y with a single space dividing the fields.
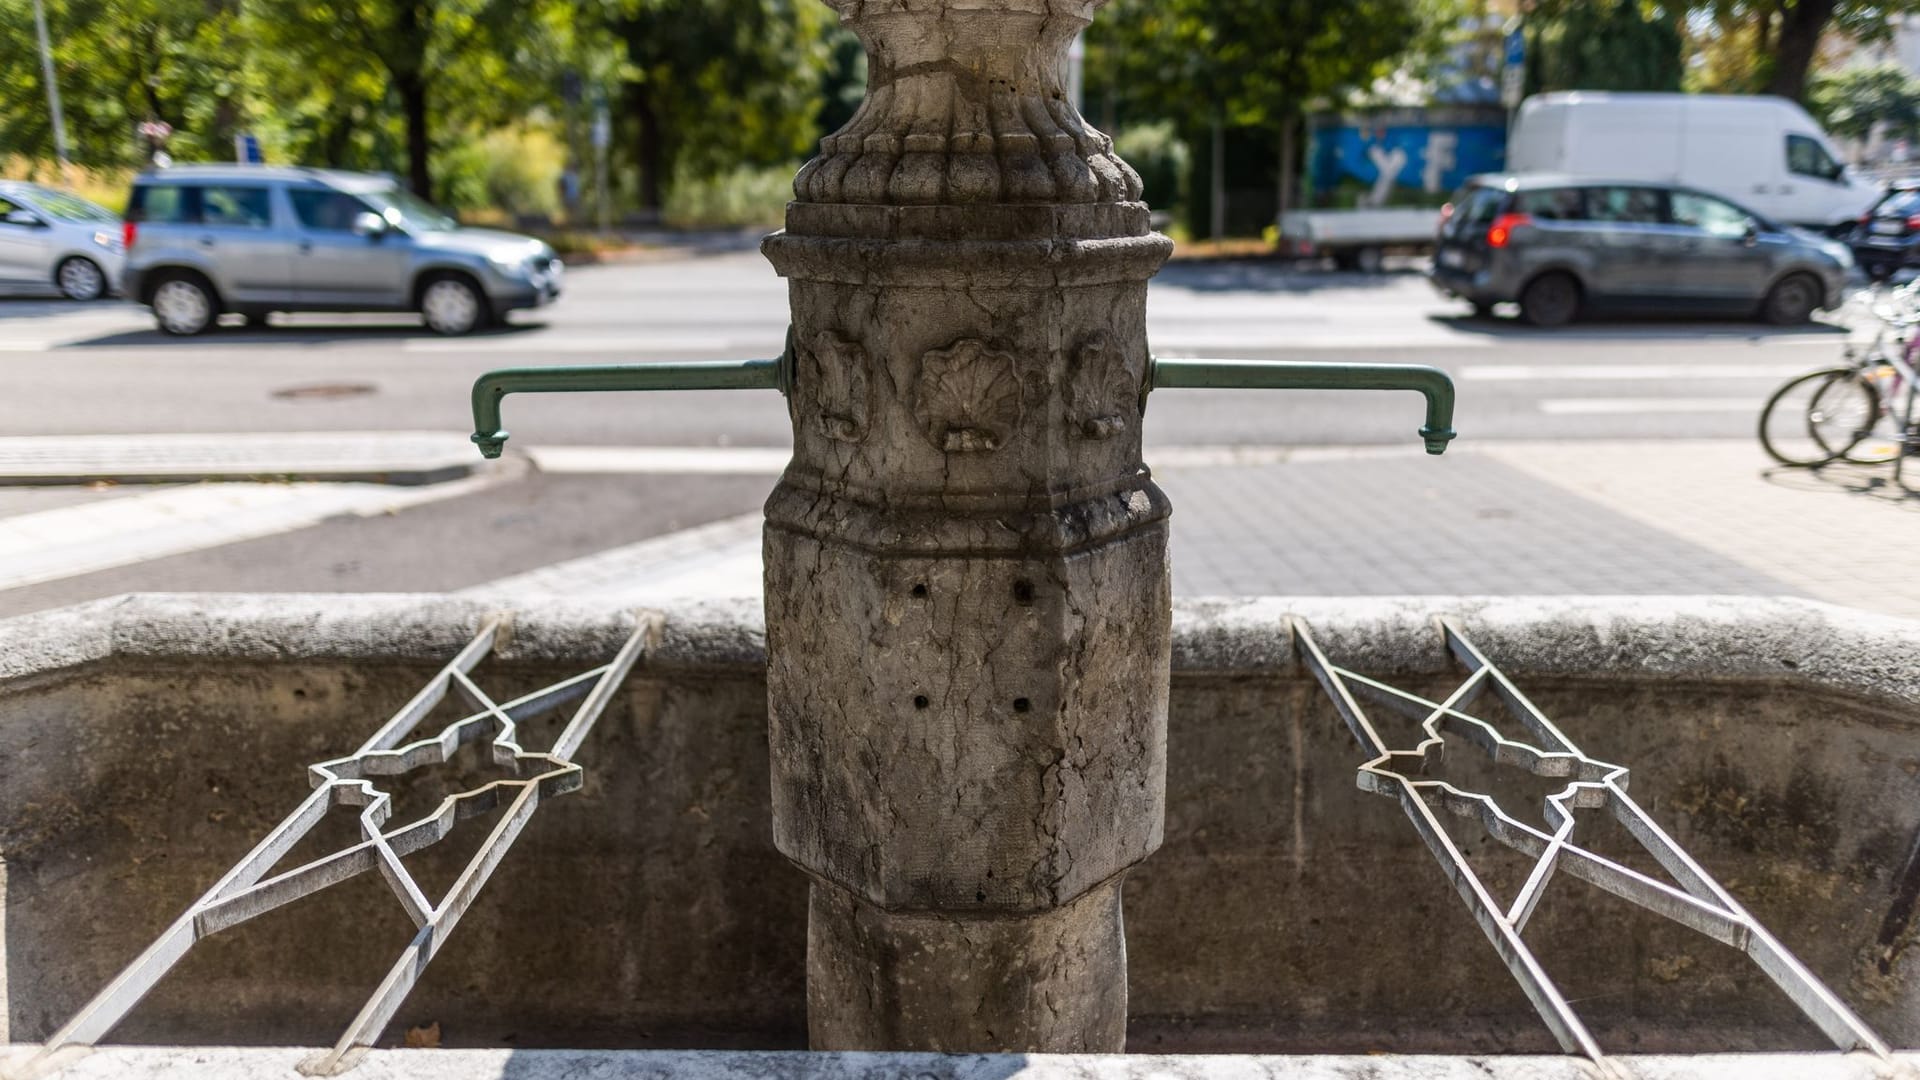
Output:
x=966 y=563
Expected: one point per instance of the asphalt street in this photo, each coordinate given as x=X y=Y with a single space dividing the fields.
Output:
x=105 y=369
x=102 y=369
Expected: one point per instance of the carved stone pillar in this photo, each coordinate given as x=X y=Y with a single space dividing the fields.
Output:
x=967 y=587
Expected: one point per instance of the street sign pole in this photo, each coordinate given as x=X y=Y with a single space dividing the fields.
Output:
x=602 y=139
x=1513 y=71
x=53 y=91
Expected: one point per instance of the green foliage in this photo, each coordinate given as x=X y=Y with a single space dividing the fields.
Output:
x=1851 y=101
x=1250 y=62
x=716 y=84
x=1756 y=46
x=433 y=64
x=1163 y=161
x=1603 y=45
x=739 y=198
x=515 y=170
x=119 y=62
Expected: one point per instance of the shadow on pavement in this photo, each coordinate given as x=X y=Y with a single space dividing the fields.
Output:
x=24 y=305
x=1863 y=481
x=1273 y=276
x=1613 y=327
x=299 y=334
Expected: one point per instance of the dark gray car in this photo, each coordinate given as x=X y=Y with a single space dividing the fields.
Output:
x=203 y=239
x=1561 y=246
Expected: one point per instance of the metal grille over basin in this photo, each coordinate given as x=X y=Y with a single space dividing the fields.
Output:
x=1694 y=899
x=247 y=891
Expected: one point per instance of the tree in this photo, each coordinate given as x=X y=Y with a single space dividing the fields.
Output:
x=411 y=46
x=1769 y=46
x=1212 y=63
x=714 y=84
x=1852 y=101
x=120 y=62
x=1603 y=45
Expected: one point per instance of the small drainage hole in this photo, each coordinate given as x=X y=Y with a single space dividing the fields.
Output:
x=920 y=701
x=1021 y=704
x=1023 y=592
x=920 y=591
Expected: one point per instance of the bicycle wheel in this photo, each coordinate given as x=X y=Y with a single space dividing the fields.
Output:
x=1882 y=439
x=1855 y=427
x=1792 y=423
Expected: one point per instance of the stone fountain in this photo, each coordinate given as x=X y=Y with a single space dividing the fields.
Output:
x=901 y=809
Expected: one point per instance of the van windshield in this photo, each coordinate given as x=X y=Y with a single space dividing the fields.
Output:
x=407 y=210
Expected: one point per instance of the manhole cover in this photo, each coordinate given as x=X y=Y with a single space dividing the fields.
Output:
x=324 y=391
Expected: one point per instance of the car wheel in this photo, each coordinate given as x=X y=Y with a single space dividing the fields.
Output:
x=80 y=278
x=452 y=306
x=1550 y=300
x=1369 y=260
x=1791 y=301
x=183 y=305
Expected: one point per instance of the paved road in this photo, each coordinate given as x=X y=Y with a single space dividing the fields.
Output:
x=105 y=369
x=1568 y=438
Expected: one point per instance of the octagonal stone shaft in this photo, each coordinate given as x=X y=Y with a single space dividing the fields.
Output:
x=967 y=587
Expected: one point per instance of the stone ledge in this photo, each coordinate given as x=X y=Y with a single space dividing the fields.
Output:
x=271 y=1063
x=1796 y=642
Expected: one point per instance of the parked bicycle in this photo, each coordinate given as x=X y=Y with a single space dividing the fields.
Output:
x=1861 y=411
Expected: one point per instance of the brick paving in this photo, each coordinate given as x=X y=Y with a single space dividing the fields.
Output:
x=1844 y=534
x=1467 y=523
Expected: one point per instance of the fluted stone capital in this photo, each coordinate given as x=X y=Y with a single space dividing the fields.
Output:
x=966 y=104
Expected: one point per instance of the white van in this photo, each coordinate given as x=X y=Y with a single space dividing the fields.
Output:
x=1764 y=153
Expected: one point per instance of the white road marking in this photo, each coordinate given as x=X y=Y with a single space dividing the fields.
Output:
x=1624 y=372
x=730 y=460
x=1629 y=406
x=74 y=540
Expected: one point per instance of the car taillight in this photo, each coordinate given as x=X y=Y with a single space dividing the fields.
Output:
x=1502 y=228
x=128 y=230
x=1913 y=221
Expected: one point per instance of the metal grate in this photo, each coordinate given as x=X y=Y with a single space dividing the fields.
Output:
x=352 y=781
x=1698 y=903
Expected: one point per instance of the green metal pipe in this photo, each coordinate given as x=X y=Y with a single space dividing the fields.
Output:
x=1299 y=375
x=488 y=389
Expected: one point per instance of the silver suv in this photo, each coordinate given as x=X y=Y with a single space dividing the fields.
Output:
x=207 y=239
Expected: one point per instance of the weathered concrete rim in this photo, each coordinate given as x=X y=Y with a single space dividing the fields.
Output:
x=1795 y=643
x=222 y=1062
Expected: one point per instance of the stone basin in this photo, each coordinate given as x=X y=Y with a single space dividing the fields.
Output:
x=146 y=742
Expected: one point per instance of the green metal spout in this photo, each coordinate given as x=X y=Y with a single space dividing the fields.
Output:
x=488 y=389
x=1297 y=375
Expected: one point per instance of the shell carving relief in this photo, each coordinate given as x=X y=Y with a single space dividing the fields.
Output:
x=968 y=397
x=840 y=371
x=1103 y=387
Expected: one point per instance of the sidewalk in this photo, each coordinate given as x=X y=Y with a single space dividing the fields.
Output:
x=1602 y=518
x=1493 y=518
